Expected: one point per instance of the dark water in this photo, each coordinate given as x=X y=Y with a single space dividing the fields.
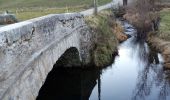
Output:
x=136 y=74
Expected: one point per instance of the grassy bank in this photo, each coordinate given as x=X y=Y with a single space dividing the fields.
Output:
x=27 y=9
x=104 y=39
x=161 y=41
x=165 y=24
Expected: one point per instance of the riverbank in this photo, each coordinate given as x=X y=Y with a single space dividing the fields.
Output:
x=147 y=23
x=161 y=40
x=104 y=40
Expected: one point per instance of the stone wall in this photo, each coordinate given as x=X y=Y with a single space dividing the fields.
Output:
x=29 y=49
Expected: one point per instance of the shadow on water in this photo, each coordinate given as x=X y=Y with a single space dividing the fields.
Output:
x=136 y=74
x=69 y=84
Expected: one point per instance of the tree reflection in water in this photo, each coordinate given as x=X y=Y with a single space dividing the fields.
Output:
x=151 y=78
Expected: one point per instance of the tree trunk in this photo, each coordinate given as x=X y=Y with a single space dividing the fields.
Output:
x=125 y=2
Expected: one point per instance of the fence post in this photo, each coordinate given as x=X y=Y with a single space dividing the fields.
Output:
x=125 y=2
x=95 y=7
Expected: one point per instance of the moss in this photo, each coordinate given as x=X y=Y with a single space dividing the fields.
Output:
x=104 y=39
x=102 y=56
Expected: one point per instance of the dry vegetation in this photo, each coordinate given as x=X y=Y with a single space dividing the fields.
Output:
x=104 y=39
x=161 y=41
x=143 y=15
x=119 y=32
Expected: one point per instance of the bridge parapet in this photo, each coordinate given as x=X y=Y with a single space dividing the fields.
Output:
x=29 y=49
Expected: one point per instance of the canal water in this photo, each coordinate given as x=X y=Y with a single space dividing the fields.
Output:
x=136 y=74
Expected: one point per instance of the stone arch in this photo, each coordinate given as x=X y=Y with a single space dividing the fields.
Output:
x=70 y=58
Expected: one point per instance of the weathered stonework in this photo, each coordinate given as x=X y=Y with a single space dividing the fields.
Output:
x=29 y=49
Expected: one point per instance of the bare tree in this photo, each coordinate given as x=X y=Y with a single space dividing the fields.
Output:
x=143 y=16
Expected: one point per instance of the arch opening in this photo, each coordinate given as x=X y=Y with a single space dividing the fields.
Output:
x=70 y=58
x=66 y=81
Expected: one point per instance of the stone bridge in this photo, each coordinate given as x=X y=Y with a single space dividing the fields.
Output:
x=29 y=49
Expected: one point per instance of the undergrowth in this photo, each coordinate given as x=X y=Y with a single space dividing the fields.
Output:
x=104 y=39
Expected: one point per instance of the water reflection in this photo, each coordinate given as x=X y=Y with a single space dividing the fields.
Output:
x=152 y=83
x=137 y=74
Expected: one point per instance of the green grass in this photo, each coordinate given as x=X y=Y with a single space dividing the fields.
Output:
x=165 y=24
x=47 y=3
x=27 y=9
x=33 y=13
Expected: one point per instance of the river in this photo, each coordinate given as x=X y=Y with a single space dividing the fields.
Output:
x=136 y=74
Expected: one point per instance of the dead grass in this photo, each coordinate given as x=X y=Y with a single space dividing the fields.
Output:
x=119 y=32
x=104 y=39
